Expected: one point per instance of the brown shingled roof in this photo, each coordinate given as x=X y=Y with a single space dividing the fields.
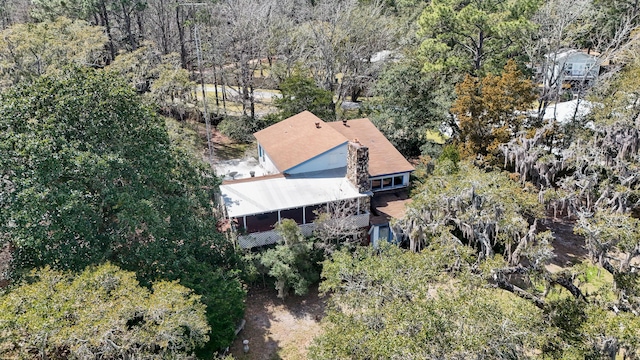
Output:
x=297 y=139
x=384 y=158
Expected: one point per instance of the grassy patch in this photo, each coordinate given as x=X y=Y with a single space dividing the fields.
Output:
x=231 y=151
x=185 y=136
x=436 y=137
x=593 y=278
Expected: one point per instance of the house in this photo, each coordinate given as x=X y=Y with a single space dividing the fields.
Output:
x=304 y=143
x=572 y=68
x=313 y=165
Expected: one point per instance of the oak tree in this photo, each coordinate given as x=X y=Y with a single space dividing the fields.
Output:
x=100 y=312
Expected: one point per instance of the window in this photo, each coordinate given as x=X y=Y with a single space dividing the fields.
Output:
x=568 y=68
x=390 y=182
x=384 y=233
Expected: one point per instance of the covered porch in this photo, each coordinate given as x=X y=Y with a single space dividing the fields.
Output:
x=255 y=207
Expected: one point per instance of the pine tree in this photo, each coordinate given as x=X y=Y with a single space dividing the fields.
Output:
x=490 y=109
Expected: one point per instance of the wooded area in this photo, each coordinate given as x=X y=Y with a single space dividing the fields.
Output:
x=105 y=197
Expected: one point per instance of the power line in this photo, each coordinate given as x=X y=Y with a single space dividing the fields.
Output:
x=196 y=38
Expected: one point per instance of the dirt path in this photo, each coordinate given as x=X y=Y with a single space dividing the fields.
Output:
x=569 y=248
x=278 y=329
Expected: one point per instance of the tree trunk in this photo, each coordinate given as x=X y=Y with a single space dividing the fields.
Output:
x=477 y=61
x=183 y=48
x=126 y=15
x=140 y=22
x=104 y=21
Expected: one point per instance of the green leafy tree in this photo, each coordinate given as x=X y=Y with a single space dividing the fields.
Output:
x=139 y=66
x=173 y=89
x=473 y=37
x=160 y=77
x=398 y=304
x=485 y=210
x=90 y=175
x=590 y=176
x=478 y=232
x=121 y=19
x=300 y=93
x=30 y=50
x=101 y=312
x=291 y=262
x=411 y=103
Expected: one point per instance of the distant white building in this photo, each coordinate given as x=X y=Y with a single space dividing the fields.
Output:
x=570 y=68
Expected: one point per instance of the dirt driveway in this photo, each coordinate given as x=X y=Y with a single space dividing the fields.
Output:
x=278 y=329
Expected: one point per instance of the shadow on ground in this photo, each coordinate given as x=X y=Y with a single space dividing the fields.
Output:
x=276 y=328
x=228 y=151
x=569 y=248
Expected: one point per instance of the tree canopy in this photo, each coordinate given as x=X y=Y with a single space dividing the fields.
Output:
x=473 y=37
x=300 y=93
x=101 y=312
x=90 y=175
x=491 y=110
x=397 y=304
x=31 y=50
x=410 y=103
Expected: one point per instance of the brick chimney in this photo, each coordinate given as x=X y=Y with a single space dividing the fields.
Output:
x=358 y=166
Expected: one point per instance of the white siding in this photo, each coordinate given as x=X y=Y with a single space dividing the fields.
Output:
x=332 y=159
x=576 y=66
x=265 y=161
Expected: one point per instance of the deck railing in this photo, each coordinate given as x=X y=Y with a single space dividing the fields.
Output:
x=271 y=236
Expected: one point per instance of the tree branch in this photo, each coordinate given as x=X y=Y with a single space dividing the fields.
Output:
x=502 y=283
x=563 y=280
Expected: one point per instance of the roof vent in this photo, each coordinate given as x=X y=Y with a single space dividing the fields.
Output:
x=318 y=125
x=344 y=122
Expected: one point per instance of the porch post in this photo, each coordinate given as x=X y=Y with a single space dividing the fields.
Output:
x=244 y=221
x=304 y=215
x=278 y=216
x=358 y=208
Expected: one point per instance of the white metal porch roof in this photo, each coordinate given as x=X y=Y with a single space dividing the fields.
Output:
x=281 y=193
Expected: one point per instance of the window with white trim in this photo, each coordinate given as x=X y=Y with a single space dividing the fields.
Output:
x=387 y=182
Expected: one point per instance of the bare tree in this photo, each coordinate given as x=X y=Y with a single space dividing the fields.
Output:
x=239 y=29
x=557 y=22
x=342 y=39
x=336 y=224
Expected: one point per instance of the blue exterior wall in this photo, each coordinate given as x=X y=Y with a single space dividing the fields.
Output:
x=331 y=159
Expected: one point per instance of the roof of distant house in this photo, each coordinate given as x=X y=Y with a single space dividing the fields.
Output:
x=384 y=158
x=564 y=112
x=297 y=139
x=565 y=53
x=305 y=136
